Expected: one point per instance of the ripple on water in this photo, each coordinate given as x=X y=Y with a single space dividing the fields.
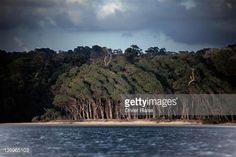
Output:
x=122 y=141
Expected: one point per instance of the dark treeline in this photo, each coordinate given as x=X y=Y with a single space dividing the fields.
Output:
x=85 y=83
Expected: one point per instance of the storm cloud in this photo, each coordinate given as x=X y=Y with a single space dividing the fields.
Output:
x=188 y=24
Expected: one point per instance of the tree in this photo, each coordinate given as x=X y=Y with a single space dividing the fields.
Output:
x=162 y=51
x=152 y=51
x=132 y=52
x=83 y=88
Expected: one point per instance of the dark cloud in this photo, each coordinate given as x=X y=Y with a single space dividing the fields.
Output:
x=184 y=21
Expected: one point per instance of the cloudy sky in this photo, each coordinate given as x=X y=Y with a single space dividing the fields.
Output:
x=66 y=24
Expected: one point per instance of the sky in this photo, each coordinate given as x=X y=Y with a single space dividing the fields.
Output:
x=65 y=24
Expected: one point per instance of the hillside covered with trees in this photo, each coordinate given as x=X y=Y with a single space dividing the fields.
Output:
x=85 y=83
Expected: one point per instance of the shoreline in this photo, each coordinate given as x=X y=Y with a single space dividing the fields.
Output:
x=121 y=123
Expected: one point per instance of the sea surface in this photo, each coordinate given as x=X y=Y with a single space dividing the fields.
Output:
x=118 y=141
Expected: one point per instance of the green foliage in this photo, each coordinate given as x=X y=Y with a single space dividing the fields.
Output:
x=30 y=82
x=61 y=100
x=132 y=52
x=225 y=62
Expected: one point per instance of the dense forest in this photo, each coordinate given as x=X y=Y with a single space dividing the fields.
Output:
x=85 y=83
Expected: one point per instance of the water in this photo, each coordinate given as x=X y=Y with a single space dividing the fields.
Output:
x=119 y=141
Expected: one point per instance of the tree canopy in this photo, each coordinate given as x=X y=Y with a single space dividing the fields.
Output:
x=77 y=84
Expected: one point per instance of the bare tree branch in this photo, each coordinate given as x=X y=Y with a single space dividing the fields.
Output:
x=107 y=58
x=192 y=78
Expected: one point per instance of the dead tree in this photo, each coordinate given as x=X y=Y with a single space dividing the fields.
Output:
x=107 y=58
x=192 y=78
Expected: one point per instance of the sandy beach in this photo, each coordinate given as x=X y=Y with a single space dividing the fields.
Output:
x=113 y=123
x=176 y=123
